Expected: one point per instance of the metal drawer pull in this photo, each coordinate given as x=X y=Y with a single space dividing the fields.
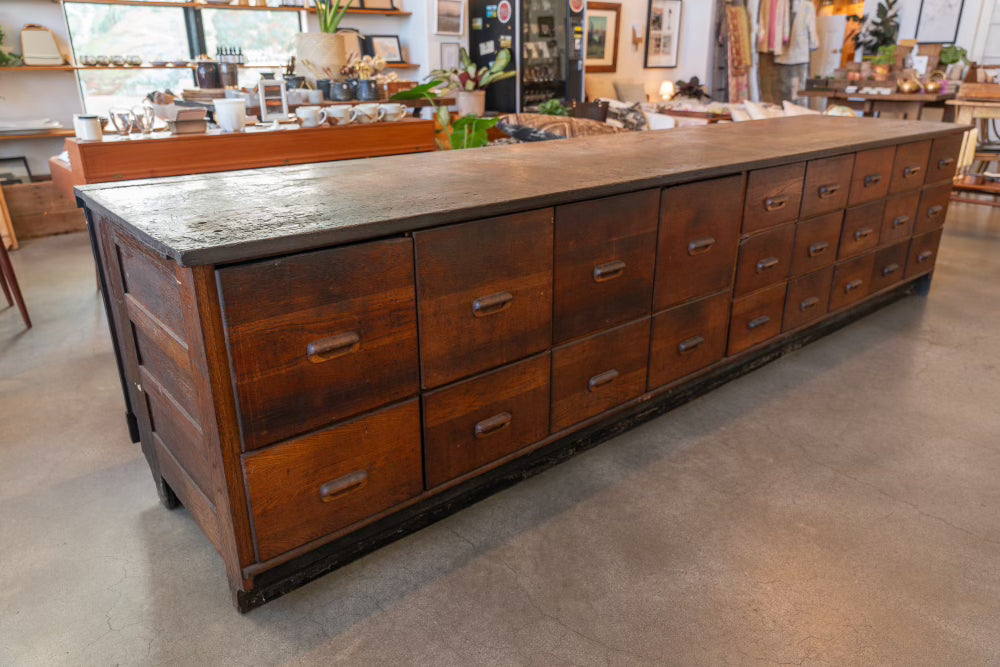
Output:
x=700 y=246
x=602 y=379
x=818 y=248
x=900 y=221
x=924 y=256
x=934 y=210
x=492 y=304
x=326 y=349
x=493 y=424
x=690 y=344
x=808 y=303
x=343 y=485
x=945 y=162
x=853 y=285
x=872 y=179
x=608 y=271
x=775 y=203
x=864 y=232
x=910 y=171
x=890 y=269
x=767 y=263
x=758 y=322
x=827 y=191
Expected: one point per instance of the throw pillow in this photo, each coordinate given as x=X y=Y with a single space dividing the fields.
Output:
x=626 y=116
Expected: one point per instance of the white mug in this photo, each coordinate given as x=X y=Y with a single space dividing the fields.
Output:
x=340 y=113
x=88 y=128
x=311 y=116
x=231 y=114
x=365 y=113
x=392 y=112
x=315 y=96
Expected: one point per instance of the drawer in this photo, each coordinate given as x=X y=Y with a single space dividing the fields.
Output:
x=808 y=298
x=890 y=263
x=816 y=243
x=899 y=217
x=827 y=184
x=319 y=336
x=765 y=259
x=933 y=208
x=320 y=483
x=861 y=229
x=773 y=196
x=944 y=158
x=479 y=420
x=699 y=232
x=923 y=253
x=597 y=373
x=484 y=294
x=756 y=318
x=872 y=174
x=910 y=166
x=688 y=338
x=605 y=254
x=852 y=281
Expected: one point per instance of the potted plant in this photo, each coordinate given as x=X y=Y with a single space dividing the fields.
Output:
x=879 y=30
x=323 y=51
x=469 y=83
x=469 y=131
x=882 y=63
x=362 y=75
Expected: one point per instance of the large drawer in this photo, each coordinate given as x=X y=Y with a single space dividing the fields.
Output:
x=756 y=318
x=605 y=254
x=827 y=184
x=852 y=281
x=910 y=166
x=933 y=208
x=808 y=298
x=320 y=336
x=765 y=259
x=320 y=483
x=484 y=294
x=816 y=243
x=944 y=158
x=899 y=217
x=923 y=253
x=699 y=231
x=773 y=196
x=479 y=420
x=688 y=338
x=890 y=263
x=862 y=225
x=872 y=175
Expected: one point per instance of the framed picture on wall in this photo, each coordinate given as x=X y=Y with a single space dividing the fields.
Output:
x=450 y=55
x=385 y=46
x=14 y=171
x=603 y=23
x=937 y=21
x=663 y=32
x=449 y=17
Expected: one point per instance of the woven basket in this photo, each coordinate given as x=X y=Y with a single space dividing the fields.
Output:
x=319 y=53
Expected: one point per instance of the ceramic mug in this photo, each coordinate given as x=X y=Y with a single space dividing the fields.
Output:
x=392 y=112
x=231 y=114
x=340 y=113
x=88 y=128
x=315 y=96
x=311 y=116
x=365 y=113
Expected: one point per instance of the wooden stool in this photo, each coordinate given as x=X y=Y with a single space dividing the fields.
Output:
x=10 y=287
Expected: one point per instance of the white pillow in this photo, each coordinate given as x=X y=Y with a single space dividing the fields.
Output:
x=739 y=115
x=798 y=109
x=628 y=91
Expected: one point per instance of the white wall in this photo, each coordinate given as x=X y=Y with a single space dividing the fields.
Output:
x=909 y=10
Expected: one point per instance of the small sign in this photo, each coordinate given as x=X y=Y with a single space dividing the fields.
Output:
x=505 y=11
x=477 y=23
x=487 y=47
x=506 y=41
x=491 y=11
x=576 y=6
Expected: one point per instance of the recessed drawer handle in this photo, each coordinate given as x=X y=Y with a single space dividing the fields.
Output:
x=900 y=221
x=608 y=271
x=934 y=211
x=700 y=246
x=889 y=269
x=758 y=322
x=767 y=263
x=602 y=379
x=872 y=179
x=924 y=256
x=492 y=304
x=853 y=285
x=910 y=171
x=827 y=191
x=862 y=233
x=809 y=303
x=818 y=248
x=775 y=203
x=691 y=343
x=326 y=349
x=343 y=485
x=945 y=162
x=493 y=424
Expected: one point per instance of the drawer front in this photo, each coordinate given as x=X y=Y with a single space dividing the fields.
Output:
x=816 y=243
x=910 y=166
x=890 y=264
x=320 y=336
x=756 y=318
x=605 y=253
x=861 y=229
x=944 y=158
x=773 y=196
x=765 y=259
x=933 y=208
x=484 y=294
x=598 y=373
x=923 y=253
x=852 y=281
x=808 y=298
x=872 y=175
x=899 y=217
x=479 y=420
x=688 y=338
x=827 y=185
x=699 y=233
x=315 y=485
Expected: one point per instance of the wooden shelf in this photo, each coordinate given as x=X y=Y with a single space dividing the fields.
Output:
x=115 y=68
x=50 y=134
x=199 y=5
x=401 y=65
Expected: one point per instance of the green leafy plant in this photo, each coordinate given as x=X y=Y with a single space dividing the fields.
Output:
x=880 y=30
x=423 y=91
x=690 y=88
x=886 y=55
x=7 y=59
x=553 y=108
x=471 y=131
x=951 y=54
x=468 y=77
x=330 y=13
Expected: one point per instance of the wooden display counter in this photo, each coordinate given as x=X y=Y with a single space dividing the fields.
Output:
x=268 y=321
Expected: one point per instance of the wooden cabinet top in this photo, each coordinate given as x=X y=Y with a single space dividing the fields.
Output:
x=235 y=216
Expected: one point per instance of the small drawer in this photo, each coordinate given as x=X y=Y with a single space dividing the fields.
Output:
x=688 y=338
x=910 y=166
x=944 y=158
x=773 y=196
x=484 y=294
x=605 y=254
x=933 y=208
x=319 y=336
x=890 y=264
x=699 y=233
x=861 y=229
x=597 y=373
x=816 y=243
x=827 y=184
x=899 y=217
x=484 y=418
x=756 y=318
x=872 y=174
x=320 y=483
x=808 y=298
x=852 y=281
x=765 y=259
x=923 y=254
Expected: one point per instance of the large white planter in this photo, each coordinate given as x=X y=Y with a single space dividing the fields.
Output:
x=324 y=52
x=471 y=102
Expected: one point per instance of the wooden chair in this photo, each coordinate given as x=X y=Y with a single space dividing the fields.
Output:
x=593 y=110
x=8 y=281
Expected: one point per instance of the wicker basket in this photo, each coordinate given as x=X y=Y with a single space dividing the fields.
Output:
x=320 y=53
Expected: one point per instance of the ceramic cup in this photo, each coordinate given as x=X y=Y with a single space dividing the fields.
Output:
x=315 y=96
x=392 y=112
x=88 y=128
x=311 y=116
x=365 y=113
x=340 y=113
x=231 y=114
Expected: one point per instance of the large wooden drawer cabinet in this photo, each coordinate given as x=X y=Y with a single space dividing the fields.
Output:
x=308 y=403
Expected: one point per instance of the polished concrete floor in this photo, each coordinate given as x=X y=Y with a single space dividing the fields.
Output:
x=838 y=507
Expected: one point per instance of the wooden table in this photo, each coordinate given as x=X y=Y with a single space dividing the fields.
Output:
x=970 y=112
x=909 y=106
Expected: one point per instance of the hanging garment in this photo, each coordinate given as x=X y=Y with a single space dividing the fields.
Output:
x=740 y=54
x=803 y=37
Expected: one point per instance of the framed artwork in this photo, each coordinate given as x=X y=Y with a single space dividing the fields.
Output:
x=663 y=33
x=449 y=17
x=603 y=23
x=937 y=21
x=450 y=55
x=14 y=171
x=385 y=46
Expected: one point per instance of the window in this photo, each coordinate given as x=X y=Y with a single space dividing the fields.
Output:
x=267 y=38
